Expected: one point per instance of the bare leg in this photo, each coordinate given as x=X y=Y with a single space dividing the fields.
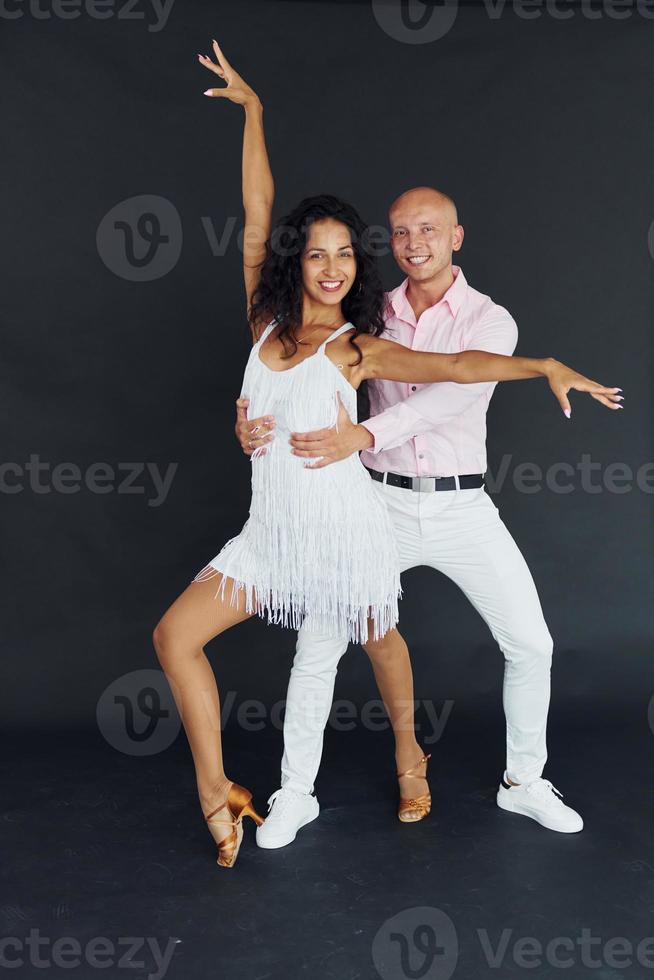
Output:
x=391 y=664
x=193 y=619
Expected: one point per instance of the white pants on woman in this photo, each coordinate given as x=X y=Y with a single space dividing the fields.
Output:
x=460 y=533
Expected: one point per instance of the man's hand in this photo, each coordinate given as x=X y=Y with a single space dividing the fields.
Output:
x=252 y=433
x=332 y=444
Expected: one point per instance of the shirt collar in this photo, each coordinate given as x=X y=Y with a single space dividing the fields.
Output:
x=454 y=297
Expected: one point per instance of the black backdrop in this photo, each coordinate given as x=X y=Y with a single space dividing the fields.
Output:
x=540 y=128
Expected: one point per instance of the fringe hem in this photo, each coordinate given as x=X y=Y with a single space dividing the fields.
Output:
x=282 y=609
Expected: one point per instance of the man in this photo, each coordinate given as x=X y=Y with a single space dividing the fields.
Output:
x=424 y=446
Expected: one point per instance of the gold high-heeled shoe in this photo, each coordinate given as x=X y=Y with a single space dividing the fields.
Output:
x=238 y=805
x=410 y=811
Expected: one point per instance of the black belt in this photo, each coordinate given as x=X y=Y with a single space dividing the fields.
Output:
x=426 y=483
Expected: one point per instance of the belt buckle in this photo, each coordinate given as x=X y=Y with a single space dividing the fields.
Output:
x=423 y=483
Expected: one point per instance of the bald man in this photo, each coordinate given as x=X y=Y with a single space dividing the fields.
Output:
x=425 y=448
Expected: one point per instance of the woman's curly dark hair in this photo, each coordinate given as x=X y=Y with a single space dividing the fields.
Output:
x=279 y=293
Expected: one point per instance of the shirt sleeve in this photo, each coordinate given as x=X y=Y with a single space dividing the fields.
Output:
x=438 y=403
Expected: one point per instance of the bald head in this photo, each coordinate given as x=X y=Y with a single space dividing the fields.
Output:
x=420 y=198
x=425 y=231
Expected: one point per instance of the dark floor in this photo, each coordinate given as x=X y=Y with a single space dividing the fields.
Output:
x=101 y=844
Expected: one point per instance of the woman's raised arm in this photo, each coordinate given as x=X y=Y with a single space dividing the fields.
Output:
x=258 y=184
x=394 y=362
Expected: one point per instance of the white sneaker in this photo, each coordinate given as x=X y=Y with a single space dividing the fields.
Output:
x=288 y=811
x=542 y=802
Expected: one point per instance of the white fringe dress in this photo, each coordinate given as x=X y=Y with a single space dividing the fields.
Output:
x=318 y=545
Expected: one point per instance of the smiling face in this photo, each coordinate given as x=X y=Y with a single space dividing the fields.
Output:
x=424 y=233
x=328 y=263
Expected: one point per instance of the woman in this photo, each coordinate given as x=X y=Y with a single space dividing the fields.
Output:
x=318 y=548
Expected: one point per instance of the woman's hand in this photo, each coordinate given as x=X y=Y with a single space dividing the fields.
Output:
x=563 y=379
x=257 y=180
x=237 y=90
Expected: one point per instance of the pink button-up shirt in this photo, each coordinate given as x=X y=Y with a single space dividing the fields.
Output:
x=437 y=429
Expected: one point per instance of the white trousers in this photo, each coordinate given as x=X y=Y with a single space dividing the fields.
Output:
x=460 y=533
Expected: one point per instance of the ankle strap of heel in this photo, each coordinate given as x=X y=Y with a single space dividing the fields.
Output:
x=410 y=772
